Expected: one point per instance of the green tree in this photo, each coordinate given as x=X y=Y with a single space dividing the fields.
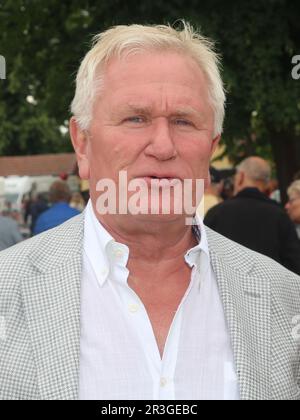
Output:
x=43 y=43
x=258 y=40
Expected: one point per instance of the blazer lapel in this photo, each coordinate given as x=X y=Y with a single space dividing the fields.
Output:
x=246 y=302
x=52 y=307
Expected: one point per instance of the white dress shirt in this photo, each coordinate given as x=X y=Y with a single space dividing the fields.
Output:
x=119 y=357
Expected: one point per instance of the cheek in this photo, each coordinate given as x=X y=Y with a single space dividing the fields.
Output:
x=112 y=152
x=197 y=155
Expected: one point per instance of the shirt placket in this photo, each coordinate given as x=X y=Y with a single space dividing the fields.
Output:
x=138 y=319
x=162 y=370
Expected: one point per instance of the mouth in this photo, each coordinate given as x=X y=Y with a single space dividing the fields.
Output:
x=168 y=177
x=161 y=179
x=156 y=183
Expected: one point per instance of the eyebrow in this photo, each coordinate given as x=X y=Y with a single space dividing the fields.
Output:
x=138 y=109
x=185 y=111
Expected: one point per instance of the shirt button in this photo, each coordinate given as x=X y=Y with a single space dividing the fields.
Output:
x=118 y=253
x=133 y=308
x=163 y=382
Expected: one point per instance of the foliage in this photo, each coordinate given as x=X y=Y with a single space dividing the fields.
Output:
x=43 y=43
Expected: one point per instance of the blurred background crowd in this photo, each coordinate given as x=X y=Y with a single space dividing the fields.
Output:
x=29 y=207
x=247 y=208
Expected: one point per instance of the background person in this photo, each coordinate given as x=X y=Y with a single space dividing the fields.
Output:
x=59 y=212
x=34 y=208
x=293 y=205
x=9 y=233
x=254 y=220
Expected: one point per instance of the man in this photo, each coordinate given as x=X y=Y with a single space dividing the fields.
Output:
x=254 y=220
x=9 y=233
x=146 y=306
x=59 y=212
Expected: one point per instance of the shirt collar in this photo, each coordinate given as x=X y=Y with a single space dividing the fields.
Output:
x=198 y=256
x=103 y=251
x=100 y=247
x=193 y=254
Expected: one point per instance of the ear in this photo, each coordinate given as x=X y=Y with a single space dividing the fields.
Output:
x=241 y=177
x=215 y=143
x=80 y=144
x=238 y=182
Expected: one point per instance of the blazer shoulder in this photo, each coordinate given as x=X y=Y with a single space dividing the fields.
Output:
x=49 y=248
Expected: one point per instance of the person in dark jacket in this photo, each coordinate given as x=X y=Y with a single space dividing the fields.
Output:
x=254 y=220
x=34 y=208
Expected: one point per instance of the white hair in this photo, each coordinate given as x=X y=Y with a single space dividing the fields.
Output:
x=256 y=169
x=294 y=188
x=120 y=40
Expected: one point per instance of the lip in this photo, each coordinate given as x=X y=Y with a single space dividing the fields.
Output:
x=163 y=181
x=159 y=176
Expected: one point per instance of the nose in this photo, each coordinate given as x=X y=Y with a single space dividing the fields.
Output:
x=161 y=145
x=287 y=206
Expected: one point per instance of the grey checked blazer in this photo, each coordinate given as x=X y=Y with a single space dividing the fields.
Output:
x=40 y=317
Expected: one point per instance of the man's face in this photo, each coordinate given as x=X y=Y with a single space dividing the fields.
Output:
x=153 y=118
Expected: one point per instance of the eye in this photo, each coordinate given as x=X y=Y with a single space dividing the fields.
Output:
x=182 y=122
x=137 y=119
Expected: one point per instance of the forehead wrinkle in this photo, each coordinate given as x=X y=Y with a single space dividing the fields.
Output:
x=177 y=109
x=180 y=111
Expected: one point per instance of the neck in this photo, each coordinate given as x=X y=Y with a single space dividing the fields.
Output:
x=156 y=249
x=258 y=186
x=151 y=240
